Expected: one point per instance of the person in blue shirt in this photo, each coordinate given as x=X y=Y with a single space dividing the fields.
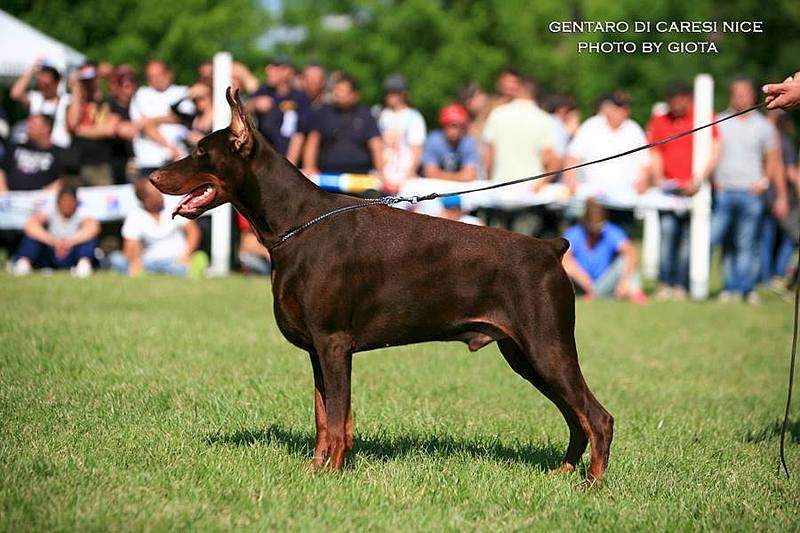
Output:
x=449 y=153
x=601 y=260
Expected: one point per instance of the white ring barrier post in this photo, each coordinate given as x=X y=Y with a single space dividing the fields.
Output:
x=651 y=243
x=221 y=216
x=700 y=233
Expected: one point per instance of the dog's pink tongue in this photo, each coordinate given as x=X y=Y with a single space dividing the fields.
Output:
x=178 y=207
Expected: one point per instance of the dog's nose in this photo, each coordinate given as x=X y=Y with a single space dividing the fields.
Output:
x=155 y=177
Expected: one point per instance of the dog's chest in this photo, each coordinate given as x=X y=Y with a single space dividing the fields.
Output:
x=289 y=317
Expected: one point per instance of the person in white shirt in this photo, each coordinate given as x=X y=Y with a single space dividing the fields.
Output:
x=161 y=137
x=155 y=242
x=403 y=131
x=609 y=132
x=519 y=136
x=47 y=100
x=63 y=238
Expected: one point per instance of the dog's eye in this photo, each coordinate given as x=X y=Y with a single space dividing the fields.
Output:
x=199 y=152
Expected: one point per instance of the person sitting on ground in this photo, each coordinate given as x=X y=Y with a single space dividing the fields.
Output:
x=450 y=153
x=155 y=242
x=601 y=260
x=344 y=136
x=784 y=95
x=403 y=132
x=64 y=238
x=35 y=164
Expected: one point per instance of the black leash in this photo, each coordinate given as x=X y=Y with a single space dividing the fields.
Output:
x=791 y=371
x=391 y=200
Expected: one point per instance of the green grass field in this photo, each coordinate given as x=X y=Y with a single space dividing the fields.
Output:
x=130 y=404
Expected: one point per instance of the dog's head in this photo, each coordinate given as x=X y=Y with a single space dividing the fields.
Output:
x=216 y=168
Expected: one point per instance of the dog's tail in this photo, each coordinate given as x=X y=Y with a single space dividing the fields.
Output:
x=560 y=246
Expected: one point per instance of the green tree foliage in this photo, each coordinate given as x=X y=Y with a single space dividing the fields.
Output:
x=182 y=32
x=439 y=45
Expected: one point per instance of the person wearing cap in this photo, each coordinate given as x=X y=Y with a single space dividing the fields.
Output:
x=403 y=132
x=672 y=172
x=450 y=153
x=601 y=260
x=519 y=136
x=784 y=95
x=282 y=112
x=46 y=100
x=93 y=127
x=610 y=131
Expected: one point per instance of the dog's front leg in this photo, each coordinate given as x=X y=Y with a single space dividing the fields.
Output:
x=320 y=417
x=335 y=360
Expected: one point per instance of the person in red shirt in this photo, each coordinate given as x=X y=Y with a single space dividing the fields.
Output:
x=672 y=171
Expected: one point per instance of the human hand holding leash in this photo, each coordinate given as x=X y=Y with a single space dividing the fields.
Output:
x=784 y=95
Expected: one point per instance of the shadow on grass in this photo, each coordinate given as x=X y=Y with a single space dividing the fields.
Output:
x=773 y=431
x=390 y=448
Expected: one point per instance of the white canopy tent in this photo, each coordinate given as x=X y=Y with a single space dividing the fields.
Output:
x=21 y=44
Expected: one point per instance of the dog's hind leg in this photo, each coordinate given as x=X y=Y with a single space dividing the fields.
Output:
x=335 y=362
x=555 y=372
x=577 y=436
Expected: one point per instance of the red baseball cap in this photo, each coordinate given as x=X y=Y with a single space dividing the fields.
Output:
x=453 y=114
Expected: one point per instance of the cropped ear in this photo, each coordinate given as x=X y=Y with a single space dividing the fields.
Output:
x=241 y=128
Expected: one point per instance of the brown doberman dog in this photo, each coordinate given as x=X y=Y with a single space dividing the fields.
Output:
x=378 y=276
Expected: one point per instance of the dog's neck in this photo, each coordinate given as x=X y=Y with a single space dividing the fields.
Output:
x=276 y=197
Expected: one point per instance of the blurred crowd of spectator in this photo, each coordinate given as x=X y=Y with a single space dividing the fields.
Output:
x=113 y=125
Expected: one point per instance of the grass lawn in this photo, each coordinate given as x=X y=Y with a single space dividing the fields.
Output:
x=156 y=403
